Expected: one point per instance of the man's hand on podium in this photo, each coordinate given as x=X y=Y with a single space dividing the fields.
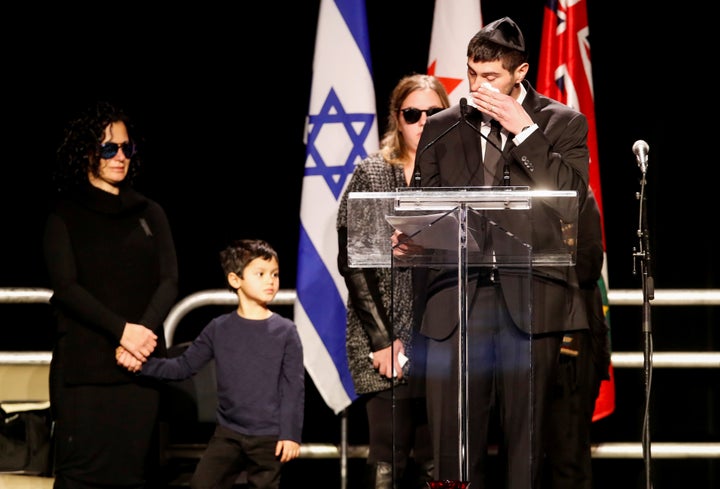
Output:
x=403 y=246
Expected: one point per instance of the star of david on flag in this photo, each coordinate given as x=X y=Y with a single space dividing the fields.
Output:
x=341 y=130
x=357 y=127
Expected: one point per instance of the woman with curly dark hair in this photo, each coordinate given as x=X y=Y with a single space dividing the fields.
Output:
x=113 y=270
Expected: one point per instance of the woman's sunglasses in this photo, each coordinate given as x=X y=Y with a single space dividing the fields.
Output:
x=108 y=150
x=412 y=115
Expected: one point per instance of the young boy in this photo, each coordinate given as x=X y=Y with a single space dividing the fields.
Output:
x=260 y=375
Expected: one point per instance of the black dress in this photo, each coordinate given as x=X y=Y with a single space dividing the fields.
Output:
x=111 y=260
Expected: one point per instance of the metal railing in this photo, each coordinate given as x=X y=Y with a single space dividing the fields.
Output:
x=620 y=297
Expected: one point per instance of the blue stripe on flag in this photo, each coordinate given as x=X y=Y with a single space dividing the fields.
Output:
x=353 y=12
x=326 y=310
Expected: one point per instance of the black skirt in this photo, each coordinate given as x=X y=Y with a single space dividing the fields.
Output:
x=105 y=434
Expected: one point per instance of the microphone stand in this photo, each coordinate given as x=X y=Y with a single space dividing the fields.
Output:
x=648 y=291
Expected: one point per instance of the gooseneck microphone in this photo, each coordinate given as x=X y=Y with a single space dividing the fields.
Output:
x=641 y=149
x=416 y=172
x=506 y=166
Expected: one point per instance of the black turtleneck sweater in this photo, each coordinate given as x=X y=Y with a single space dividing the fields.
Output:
x=111 y=260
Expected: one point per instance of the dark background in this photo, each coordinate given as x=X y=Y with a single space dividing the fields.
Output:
x=221 y=93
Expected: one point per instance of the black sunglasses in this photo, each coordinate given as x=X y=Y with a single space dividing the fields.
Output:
x=108 y=150
x=412 y=115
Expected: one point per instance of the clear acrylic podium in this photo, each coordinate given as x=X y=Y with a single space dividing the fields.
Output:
x=464 y=231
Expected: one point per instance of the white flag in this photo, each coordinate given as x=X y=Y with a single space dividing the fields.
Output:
x=455 y=22
x=341 y=130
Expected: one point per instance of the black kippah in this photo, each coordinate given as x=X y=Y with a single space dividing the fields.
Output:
x=504 y=32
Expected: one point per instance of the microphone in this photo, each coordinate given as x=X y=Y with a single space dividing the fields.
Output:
x=641 y=149
x=506 y=166
x=416 y=173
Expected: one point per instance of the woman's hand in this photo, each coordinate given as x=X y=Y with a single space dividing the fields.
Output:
x=138 y=340
x=386 y=361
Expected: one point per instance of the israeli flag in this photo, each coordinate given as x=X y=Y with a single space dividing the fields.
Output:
x=341 y=129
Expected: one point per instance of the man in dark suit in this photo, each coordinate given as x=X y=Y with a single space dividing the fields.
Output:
x=515 y=316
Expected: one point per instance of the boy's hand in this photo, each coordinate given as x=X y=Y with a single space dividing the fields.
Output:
x=125 y=359
x=287 y=450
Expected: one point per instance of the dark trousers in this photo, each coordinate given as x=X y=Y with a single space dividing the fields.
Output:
x=569 y=455
x=508 y=373
x=412 y=433
x=229 y=453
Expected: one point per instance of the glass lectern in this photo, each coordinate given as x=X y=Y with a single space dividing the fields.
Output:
x=465 y=231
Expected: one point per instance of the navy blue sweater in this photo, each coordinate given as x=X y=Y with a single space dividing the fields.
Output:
x=260 y=373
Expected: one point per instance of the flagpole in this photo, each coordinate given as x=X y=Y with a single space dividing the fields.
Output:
x=343 y=448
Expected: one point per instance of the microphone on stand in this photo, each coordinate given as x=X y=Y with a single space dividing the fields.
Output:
x=416 y=172
x=506 y=165
x=641 y=149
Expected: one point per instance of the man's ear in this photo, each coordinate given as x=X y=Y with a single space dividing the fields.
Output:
x=521 y=72
x=234 y=280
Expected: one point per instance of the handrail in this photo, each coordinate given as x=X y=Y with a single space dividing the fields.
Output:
x=213 y=297
x=617 y=450
x=616 y=297
x=619 y=297
x=627 y=359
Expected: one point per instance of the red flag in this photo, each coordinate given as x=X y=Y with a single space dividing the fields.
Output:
x=454 y=24
x=565 y=74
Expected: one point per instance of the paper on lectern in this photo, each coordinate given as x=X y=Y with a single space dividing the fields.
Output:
x=432 y=231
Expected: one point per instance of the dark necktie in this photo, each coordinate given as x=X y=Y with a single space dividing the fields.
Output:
x=492 y=155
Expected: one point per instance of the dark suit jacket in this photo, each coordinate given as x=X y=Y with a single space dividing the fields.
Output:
x=554 y=157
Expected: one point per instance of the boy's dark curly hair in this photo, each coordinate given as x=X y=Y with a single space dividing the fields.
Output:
x=79 y=152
